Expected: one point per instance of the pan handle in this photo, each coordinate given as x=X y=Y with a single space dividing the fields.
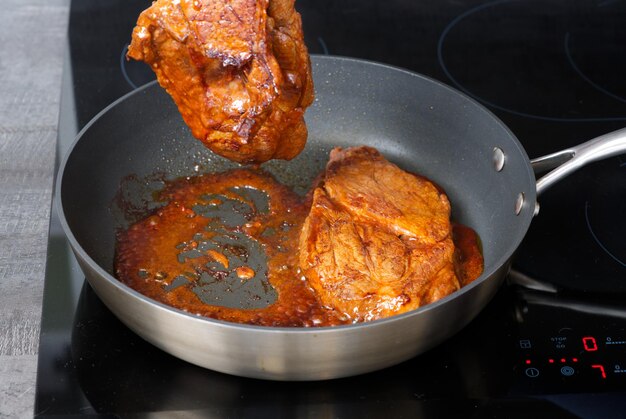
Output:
x=571 y=159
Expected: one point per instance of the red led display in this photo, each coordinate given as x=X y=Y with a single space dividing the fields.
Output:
x=590 y=344
x=562 y=360
x=601 y=368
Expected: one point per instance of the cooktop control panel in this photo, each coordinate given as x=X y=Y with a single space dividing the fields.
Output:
x=572 y=346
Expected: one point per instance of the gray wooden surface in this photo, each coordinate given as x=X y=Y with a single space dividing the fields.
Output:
x=32 y=39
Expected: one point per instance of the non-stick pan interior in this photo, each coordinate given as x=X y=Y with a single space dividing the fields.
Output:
x=419 y=124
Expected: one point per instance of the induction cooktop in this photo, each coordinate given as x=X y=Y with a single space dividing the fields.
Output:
x=553 y=340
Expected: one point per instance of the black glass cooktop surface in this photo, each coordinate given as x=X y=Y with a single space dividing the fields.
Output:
x=553 y=73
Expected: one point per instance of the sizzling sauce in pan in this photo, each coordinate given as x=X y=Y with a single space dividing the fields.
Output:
x=225 y=246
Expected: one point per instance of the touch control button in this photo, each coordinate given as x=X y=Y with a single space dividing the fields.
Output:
x=567 y=371
x=532 y=372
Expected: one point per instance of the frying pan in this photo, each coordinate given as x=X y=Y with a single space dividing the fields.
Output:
x=416 y=122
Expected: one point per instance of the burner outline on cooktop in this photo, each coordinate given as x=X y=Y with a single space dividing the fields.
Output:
x=622 y=165
x=123 y=67
x=597 y=240
x=595 y=85
x=458 y=85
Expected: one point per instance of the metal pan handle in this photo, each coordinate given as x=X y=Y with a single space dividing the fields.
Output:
x=569 y=160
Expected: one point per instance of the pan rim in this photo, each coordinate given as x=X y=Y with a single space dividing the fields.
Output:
x=501 y=262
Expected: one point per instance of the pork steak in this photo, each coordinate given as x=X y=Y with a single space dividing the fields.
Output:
x=378 y=240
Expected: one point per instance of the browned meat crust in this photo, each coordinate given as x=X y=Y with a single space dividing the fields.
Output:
x=238 y=70
x=378 y=240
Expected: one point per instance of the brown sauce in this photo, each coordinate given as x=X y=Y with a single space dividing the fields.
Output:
x=225 y=246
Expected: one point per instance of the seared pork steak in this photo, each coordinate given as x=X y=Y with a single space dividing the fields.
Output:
x=239 y=72
x=377 y=240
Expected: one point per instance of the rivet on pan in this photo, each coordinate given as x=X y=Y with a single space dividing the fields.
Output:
x=519 y=203
x=498 y=159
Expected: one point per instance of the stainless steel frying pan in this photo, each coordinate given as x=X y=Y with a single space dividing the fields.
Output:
x=420 y=124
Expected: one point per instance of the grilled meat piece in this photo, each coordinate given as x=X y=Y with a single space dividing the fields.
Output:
x=377 y=240
x=238 y=70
